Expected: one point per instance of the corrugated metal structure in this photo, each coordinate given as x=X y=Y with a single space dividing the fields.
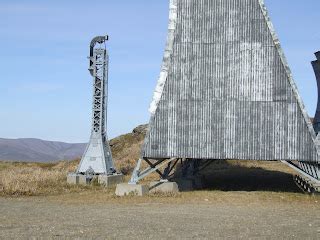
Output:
x=225 y=90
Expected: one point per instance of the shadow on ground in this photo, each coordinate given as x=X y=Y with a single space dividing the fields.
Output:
x=247 y=176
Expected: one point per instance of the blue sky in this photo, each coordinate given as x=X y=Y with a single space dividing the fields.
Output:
x=45 y=88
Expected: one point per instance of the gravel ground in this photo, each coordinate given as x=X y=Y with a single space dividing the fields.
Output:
x=43 y=218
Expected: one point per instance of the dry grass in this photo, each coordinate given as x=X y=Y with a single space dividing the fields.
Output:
x=32 y=179
x=126 y=151
x=49 y=180
x=246 y=181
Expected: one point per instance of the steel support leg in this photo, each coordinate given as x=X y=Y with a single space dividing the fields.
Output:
x=137 y=174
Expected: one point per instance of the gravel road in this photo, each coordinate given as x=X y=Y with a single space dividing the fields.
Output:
x=40 y=218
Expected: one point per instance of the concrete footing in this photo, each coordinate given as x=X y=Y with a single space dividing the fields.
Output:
x=125 y=189
x=106 y=180
x=111 y=180
x=165 y=187
x=74 y=178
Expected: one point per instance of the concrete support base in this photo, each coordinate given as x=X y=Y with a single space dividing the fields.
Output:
x=165 y=187
x=74 y=178
x=111 y=180
x=106 y=180
x=125 y=189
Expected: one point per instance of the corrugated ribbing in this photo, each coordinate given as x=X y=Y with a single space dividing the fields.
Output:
x=228 y=93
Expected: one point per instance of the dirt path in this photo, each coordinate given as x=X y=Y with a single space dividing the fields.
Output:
x=34 y=218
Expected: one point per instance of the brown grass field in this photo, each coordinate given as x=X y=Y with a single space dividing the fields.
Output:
x=262 y=179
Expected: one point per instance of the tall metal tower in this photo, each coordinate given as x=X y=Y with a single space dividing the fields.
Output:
x=97 y=158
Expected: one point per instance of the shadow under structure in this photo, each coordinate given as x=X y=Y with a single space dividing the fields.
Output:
x=226 y=91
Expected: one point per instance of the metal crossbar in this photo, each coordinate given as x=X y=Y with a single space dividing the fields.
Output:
x=137 y=174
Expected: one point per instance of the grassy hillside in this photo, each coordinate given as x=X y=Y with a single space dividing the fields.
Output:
x=126 y=149
x=50 y=178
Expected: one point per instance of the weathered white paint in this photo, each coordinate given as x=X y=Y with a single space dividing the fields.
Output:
x=166 y=58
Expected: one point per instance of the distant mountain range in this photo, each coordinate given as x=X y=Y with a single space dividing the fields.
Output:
x=36 y=150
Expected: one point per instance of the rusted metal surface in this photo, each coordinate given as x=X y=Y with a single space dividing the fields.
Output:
x=225 y=90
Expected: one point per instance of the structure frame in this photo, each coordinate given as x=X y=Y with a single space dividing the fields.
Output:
x=283 y=106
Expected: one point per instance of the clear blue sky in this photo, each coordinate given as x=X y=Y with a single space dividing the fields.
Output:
x=45 y=88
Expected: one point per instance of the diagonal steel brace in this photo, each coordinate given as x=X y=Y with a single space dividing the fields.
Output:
x=137 y=175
